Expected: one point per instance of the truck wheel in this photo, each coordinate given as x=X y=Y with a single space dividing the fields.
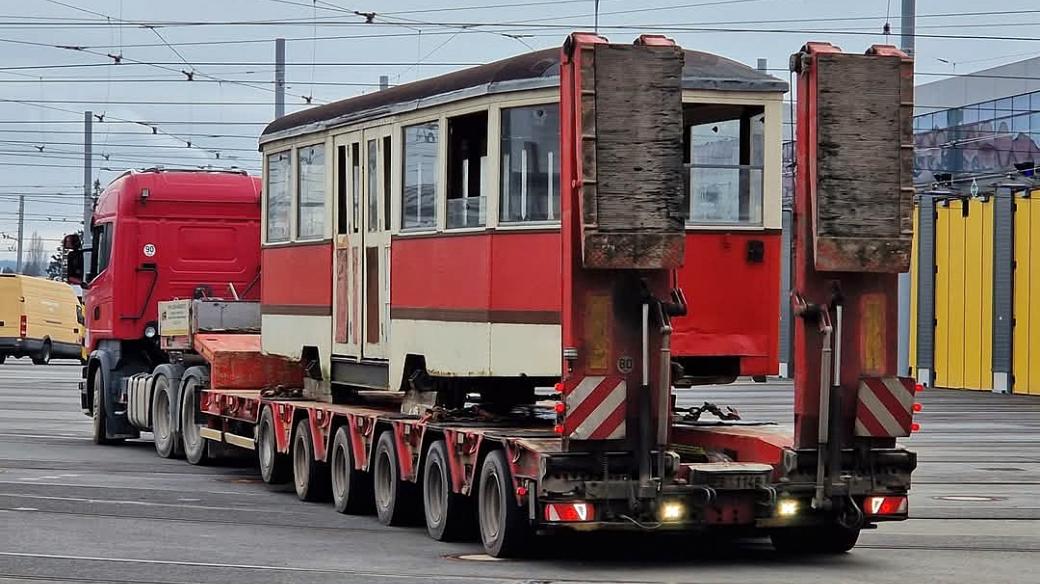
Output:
x=503 y=524
x=395 y=498
x=44 y=356
x=196 y=448
x=167 y=439
x=449 y=516
x=97 y=414
x=821 y=539
x=310 y=476
x=351 y=488
x=275 y=468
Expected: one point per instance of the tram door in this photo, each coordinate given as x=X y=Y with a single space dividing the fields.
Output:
x=361 y=300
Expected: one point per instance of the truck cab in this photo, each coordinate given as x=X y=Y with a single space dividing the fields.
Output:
x=157 y=235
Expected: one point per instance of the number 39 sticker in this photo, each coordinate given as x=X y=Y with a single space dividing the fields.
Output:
x=149 y=249
x=625 y=364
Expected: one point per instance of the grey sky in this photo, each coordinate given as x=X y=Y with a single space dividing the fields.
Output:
x=53 y=178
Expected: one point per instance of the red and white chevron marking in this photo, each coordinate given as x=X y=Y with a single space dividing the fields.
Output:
x=596 y=409
x=885 y=407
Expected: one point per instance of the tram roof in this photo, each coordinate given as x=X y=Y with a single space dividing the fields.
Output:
x=534 y=70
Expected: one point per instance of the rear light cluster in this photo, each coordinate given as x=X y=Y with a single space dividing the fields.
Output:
x=914 y=426
x=560 y=408
x=23 y=326
x=569 y=512
x=883 y=505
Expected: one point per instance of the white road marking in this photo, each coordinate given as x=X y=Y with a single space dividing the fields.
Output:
x=446 y=577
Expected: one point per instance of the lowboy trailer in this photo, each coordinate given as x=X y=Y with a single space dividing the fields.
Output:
x=608 y=450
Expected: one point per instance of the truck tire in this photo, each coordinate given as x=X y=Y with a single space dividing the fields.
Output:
x=3 y=357
x=196 y=448
x=275 y=468
x=821 y=539
x=97 y=414
x=504 y=528
x=449 y=516
x=395 y=498
x=44 y=356
x=351 y=488
x=311 y=477
x=164 y=426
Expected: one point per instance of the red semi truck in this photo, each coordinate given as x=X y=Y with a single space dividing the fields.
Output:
x=407 y=399
x=157 y=235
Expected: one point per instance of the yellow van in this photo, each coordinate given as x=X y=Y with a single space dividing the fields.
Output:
x=40 y=319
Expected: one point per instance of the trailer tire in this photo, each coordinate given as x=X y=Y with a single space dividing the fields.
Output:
x=449 y=516
x=164 y=426
x=196 y=448
x=351 y=488
x=275 y=467
x=394 y=497
x=311 y=477
x=99 y=423
x=504 y=528
x=820 y=539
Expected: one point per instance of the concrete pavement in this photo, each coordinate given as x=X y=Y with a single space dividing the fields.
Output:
x=74 y=512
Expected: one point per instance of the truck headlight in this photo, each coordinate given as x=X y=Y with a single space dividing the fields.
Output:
x=671 y=511
x=787 y=508
x=149 y=332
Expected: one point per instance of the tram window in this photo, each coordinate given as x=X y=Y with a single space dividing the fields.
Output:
x=386 y=183
x=279 y=177
x=373 y=186
x=310 y=189
x=530 y=182
x=724 y=157
x=355 y=185
x=342 y=201
x=419 y=191
x=467 y=169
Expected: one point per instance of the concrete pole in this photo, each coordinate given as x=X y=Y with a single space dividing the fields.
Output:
x=88 y=175
x=279 y=78
x=21 y=232
x=384 y=82
x=906 y=43
x=907 y=27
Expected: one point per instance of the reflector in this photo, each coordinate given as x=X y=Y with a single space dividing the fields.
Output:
x=569 y=512
x=885 y=505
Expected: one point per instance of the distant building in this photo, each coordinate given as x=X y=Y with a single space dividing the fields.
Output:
x=983 y=127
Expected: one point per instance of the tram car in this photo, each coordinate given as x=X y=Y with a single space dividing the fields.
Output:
x=411 y=236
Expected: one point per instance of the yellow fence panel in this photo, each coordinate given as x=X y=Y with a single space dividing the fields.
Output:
x=1026 y=342
x=986 y=303
x=942 y=296
x=963 y=295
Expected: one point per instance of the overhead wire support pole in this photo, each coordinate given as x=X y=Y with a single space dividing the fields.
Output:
x=907 y=28
x=21 y=232
x=88 y=175
x=279 y=77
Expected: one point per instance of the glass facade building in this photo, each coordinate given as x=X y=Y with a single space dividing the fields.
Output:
x=981 y=141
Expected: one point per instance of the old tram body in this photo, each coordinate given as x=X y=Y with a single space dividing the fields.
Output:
x=426 y=237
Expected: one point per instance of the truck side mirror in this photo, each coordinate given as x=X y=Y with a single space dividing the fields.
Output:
x=71 y=242
x=74 y=267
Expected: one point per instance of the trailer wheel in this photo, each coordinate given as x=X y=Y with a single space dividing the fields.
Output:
x=449 y=516
x=310 y=476
x=164 y=428
x=394 y=497
x=196 y=448
x=503 y=524
x=97 y=414
x=275 y=468
x=821 y=539
x=351 y=488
